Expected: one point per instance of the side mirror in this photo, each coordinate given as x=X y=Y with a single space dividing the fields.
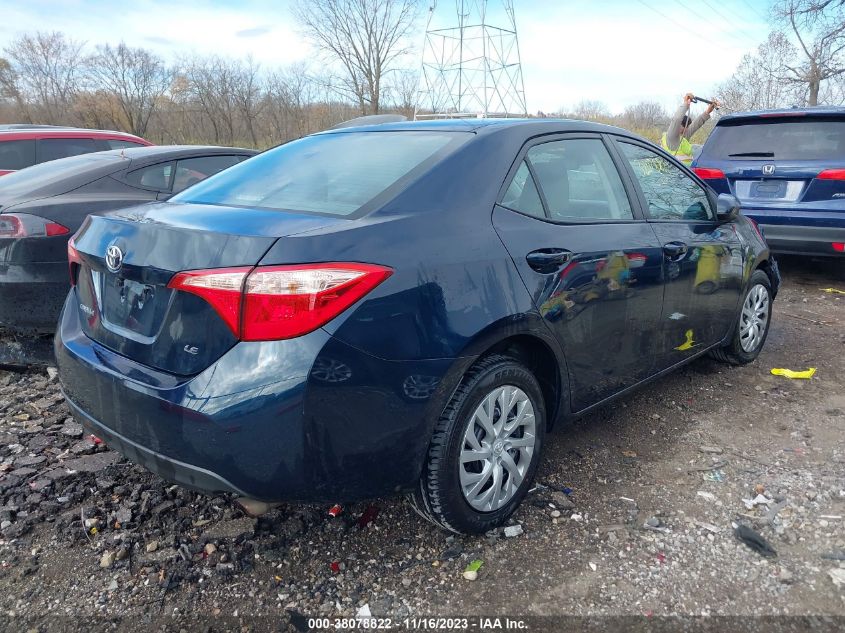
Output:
x=727 y=207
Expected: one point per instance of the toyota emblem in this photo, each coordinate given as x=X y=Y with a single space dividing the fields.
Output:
x=114 y=258
x=768 y=170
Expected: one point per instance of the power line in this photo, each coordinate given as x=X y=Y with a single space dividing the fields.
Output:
x=731 y=34
x=730 y=20
x=683 y=27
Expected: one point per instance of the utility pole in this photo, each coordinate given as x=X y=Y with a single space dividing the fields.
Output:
x=471 y=67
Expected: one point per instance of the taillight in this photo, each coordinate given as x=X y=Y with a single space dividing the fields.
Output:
x=26 y=225
x=832 y=174
x=839 y=247
x=708 y=173
x=280 y=302
x=73 y=260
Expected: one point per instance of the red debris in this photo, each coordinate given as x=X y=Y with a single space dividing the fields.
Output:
x=335 y=565
x=368 y=516
x=335 y=510
x=95 y=440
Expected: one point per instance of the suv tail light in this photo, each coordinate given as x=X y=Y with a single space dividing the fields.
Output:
x=73 y=259
x=279 y=302
x=25 y=225
x=832 y=174
x=708 y=173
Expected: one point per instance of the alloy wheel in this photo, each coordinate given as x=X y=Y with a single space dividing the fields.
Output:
x=497 y=449
x=754 y=319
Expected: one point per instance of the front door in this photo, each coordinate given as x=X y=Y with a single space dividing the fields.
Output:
x=592 y=265
x=702 y=258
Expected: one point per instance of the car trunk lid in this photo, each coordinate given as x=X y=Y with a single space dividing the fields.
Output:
x=126 y=260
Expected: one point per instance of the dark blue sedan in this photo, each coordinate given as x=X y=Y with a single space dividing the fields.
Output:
x=787 y=167
x=403 y=308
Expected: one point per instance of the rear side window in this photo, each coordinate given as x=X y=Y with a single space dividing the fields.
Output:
x=115 y=144
x=522 y=194
x=54 y=148
x=334 y=174
x=152 y=177
x=17 y=154
x=579 y=181
x=192 y=170
x=775 y=138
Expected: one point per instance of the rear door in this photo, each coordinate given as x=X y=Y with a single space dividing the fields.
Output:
x=702 y=259
x=591 y=264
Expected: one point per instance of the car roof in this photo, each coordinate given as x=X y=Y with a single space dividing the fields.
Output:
x=20 y=131
x=175 y=151
x=484 y=126
x=814 y=111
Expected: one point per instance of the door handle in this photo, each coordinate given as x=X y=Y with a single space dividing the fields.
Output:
x=674 y=250
x=548 y=260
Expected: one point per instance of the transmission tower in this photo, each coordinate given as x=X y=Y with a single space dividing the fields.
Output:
x=472 y=69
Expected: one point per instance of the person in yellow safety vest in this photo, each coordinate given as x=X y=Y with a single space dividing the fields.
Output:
x=676 y=139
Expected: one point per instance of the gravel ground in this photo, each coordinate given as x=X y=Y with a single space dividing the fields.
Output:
x=632 y=515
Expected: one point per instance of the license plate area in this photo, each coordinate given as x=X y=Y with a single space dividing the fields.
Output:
x=768 y=189
x=772 y=189
x=129 y=306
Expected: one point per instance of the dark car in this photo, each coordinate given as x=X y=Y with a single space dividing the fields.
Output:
x=42 y=206
x=787 y=167
x=403 y=308
x=23 y=145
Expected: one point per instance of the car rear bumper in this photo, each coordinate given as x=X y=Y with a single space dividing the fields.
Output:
x=306 y=419
x=31 y=296
x=803 y=240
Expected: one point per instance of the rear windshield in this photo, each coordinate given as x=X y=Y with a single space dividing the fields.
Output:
x=45 y=176
x=333 y=174
x=786 y=139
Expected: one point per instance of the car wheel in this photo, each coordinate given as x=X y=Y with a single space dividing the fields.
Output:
x=485 y=448
x=752 y=326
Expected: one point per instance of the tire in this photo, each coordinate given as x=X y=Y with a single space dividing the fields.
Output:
x=445 y=494
x=740 y=350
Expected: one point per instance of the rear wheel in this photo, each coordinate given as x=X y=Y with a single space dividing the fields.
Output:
x=752 y=327
x=485 y=448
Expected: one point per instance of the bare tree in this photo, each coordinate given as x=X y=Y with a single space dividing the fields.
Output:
x=136 y=77
x=591 y=110
x=49 y=68
x=819 y=28
x=247 y=92
x=402 y=89
x=757 y=83
x=366 y=37
x=645 y=114
x=10 y=91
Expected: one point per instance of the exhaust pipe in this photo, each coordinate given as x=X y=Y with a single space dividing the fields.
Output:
x=255 y=508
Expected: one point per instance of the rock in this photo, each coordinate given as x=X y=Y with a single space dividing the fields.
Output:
x=711 y=450
x=210 y=548
x=93 y=463
x=112 y=585
x=52 y=373
x=72 y=429
x=562 y=501
x=5 y=524
x=151 y=547
x=513 y=530
x=653 y=522
x=107 y=560
x=92 y=523
x=30 y=460
x=837 y=576
x=471 y=574
x=230 y=529
x=785 y=576
x=555 y=514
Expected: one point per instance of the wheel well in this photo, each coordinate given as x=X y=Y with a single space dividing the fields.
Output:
x=766 y=266
x=541 y=360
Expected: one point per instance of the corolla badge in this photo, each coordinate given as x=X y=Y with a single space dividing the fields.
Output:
x=768 y=170
x=114 y=258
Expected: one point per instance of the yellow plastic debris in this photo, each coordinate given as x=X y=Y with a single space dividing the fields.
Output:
x=831 y=291
x=788 y=373
x=687 y=344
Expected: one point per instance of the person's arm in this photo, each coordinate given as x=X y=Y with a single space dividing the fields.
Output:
x=700 y=120
x=673 y=134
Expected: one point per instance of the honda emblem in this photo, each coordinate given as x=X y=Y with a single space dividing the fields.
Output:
x=768 y=170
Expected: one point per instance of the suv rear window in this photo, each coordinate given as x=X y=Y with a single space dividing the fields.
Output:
x=17 y=154
x=786 y=139
x=333 y=174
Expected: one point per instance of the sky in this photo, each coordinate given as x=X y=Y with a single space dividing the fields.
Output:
x=618 y=52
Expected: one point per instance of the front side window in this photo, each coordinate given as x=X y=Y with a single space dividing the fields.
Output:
x=190 y=171
x=670 y=194
x=333 y=174
x=579 y=181
x=54 y=148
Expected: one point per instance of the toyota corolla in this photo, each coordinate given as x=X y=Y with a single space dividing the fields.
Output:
x=402 y=309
